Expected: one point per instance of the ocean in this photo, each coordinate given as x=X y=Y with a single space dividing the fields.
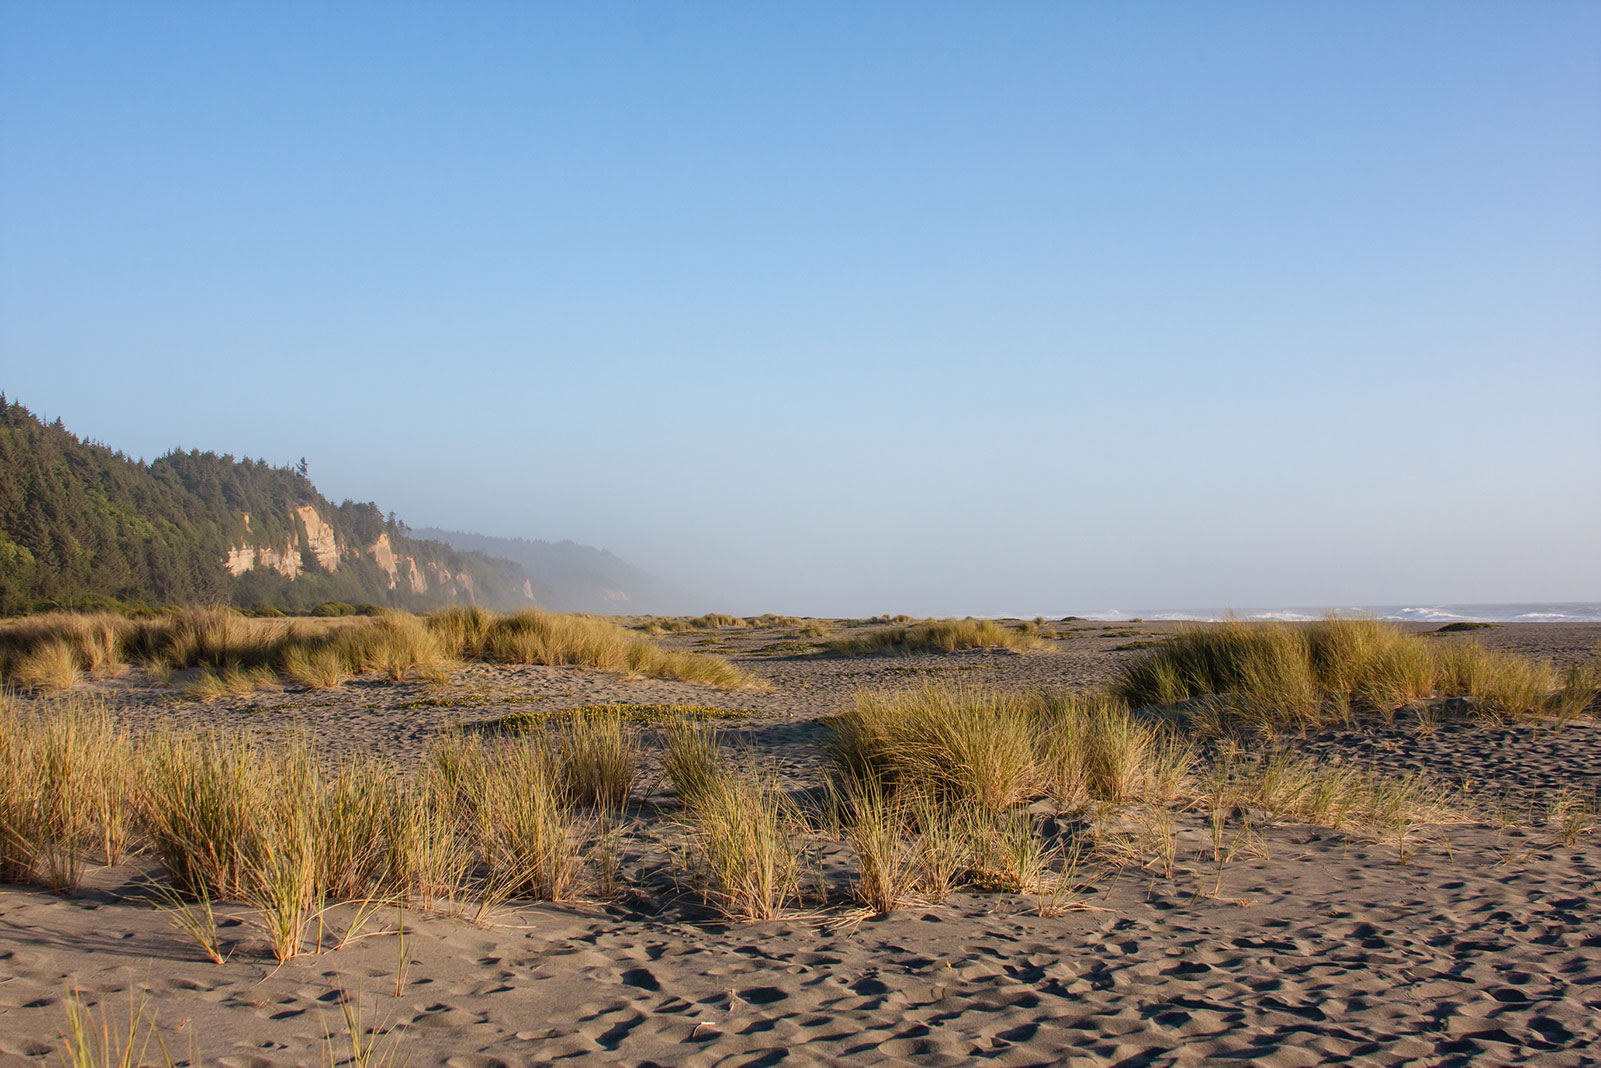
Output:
x=1517 y=612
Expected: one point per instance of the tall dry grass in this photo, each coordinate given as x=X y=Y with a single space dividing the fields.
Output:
x=934 y=636
x=534 y=637
x=236 y=654
x=1093 y=748
x=65 y=778
x=964 y=745
x=748 y=844
x=1279 y=676
x=987 y=750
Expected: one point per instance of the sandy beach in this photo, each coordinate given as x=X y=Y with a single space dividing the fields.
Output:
x=1473 y=942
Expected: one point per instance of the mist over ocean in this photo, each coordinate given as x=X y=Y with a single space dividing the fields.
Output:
x=1515 y=612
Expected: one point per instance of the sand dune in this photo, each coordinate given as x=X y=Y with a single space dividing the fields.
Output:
x=1310 y=947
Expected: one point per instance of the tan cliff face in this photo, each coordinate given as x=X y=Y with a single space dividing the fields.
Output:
x=395 y=564
x=322 y=545
x=319 y=538
x=288 y=559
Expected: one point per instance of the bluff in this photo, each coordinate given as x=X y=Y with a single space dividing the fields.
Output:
x=83 y=526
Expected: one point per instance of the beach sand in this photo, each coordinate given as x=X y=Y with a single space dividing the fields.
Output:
x=1482 y=945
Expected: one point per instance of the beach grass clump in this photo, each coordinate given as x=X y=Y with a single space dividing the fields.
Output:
x=51 y=666
x=746 y=837
x=195 y=802
x=641 y=715
x=395 y=644
x=1500 y=684
x=356 y=808
x=90 y=1041
x=1276 y=676
x=64 y=778
x=212 y=685
x=934 y=636
x=1340 y=796
x=433 y=844
x=462 y=630
x=964 y=745
x=218 y=638
x=660 y=625
x=533 y=841
x=879 y=827
x=51 y=652
x=316 y=666
x=535 y=637
x=231 y=817
x=1092 y=748
x=36 y=649
x=694 y=763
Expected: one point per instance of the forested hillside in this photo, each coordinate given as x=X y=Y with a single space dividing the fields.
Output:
x=81 y=525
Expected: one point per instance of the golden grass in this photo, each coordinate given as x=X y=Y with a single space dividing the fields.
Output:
x=931 y=787
x=598 y=759
x=964 y=745
x=935 y=636
x=211 y=685
x=236 y=653
x=534 y=637
x=64 y=791
x=694 y=762
x=1278 y=676
x=878 y=827
x=746 y=835
x=316 y=667
x=1307 y=789
x=393 y=644
x=1094 y=749
x=52 y=666
x=104 y=1042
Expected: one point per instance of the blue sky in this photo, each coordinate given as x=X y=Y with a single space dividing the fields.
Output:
x=828 y=308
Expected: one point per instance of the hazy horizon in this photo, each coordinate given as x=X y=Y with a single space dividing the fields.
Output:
x=845 y=309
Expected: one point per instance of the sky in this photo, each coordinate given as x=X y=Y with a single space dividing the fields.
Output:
x=838 y=308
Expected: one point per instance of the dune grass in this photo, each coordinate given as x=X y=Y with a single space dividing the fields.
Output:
x=534 y=637
x=1277 y=676
x=935 y=636
x=747 y=844
x=932 y=787
x=963 y=745
x=658 y=625
x=235 y=654
x=65 y=791
x=693 y=762
x=90 y=1041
